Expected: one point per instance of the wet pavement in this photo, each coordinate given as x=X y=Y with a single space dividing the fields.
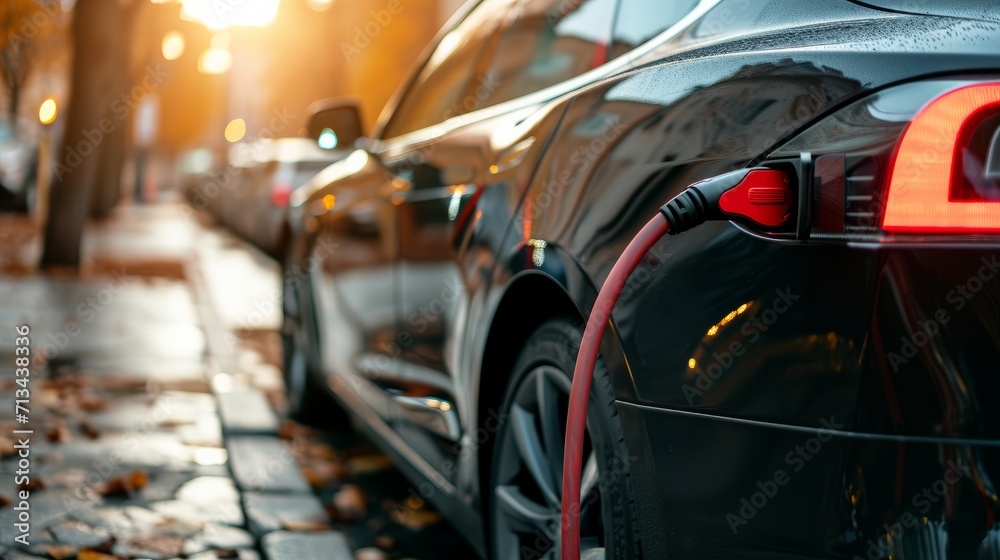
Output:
x=155 y=408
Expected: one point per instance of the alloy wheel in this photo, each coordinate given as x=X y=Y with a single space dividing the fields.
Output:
x=527 y=489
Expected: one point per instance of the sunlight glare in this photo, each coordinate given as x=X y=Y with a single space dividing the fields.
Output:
x=220 y=14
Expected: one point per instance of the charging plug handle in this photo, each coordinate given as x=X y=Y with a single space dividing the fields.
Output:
x=757 y=197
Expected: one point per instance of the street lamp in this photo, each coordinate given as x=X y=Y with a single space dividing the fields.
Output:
x=47 y=113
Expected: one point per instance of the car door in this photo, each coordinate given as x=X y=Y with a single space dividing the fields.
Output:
x=446 y=180
x=368 y=352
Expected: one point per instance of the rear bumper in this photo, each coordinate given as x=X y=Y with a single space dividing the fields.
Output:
x=711 y=487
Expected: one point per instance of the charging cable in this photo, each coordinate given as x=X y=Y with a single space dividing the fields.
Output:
x=758 y=197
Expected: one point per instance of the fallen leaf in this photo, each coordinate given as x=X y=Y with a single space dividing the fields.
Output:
x=95 y=555
x=368 y=463
x=388 y=542
x=33 y=484
x=370 y=553
x=321 y=474
x=161 y=545
x=293 y=525
x=58 y=433
x=320 y=451
x=124 y=384
x=414 y=519
x=46 y=398
x=103 y=549
x=6 y=446
x=139 y=479
x=92 y=403
x=125 y=486
x=313 y=477
x=177 y=422
x=291 y=430
x=349 y=504
x=117 y=486
x=89 y=430
x=60 y=551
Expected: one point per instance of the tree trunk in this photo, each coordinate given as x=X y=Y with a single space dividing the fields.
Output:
x=98 y=48
x=108 y=182
x=15 y=104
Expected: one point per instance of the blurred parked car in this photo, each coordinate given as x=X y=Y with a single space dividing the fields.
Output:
x=822 y=389
x=249 y=196
x=18 y=169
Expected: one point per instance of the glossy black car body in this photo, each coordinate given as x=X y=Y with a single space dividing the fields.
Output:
x=776 y=396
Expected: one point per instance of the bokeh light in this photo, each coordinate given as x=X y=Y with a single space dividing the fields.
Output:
x=319 y=5
x=217 y=59
x=173 y=45
x=328 y=139
x=236 y=130
x=47 y=111
x=217 y=15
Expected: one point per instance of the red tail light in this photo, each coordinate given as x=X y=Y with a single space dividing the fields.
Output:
x=942 y=179
x=280 y=194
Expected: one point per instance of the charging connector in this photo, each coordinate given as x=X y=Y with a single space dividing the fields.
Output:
x=758 y=197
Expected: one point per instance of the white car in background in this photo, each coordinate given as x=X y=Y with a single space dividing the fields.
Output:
x=18 y=170
x=250 y=195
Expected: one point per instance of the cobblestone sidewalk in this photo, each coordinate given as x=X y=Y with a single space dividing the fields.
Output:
x=133 y=452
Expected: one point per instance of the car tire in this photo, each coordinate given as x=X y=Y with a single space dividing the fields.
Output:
x=526 y=473
x=309 y=399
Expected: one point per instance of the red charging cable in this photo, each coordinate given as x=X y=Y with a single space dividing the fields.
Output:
x=760 y=197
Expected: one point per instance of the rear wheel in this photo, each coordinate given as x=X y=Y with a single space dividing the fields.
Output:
x=309 y=399
x=526 y=486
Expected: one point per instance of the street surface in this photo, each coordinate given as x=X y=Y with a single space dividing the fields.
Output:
x=154 y=405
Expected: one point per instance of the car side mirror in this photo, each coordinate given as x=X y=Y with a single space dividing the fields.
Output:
x=335 y=123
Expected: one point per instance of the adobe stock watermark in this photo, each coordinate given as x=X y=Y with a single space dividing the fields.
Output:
x=374 y=366
x=765 y=490
x=959 y=297
x=471 y=443
x=364 y=34
x=222 y=181
x=560 y=10
x=81 y=500
x=752 y=330
x=922 y=502
x=121 y=107
x=580 y=161
x=475 y=100
x=293 y=277
x=31 y=26
x=723 y=17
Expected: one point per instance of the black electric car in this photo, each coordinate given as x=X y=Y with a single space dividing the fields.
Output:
x=823 y=389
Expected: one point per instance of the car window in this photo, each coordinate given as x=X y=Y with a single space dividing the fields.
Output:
x=638 y=21
x=503 y=50
x=543 y=43
x=438 y=92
